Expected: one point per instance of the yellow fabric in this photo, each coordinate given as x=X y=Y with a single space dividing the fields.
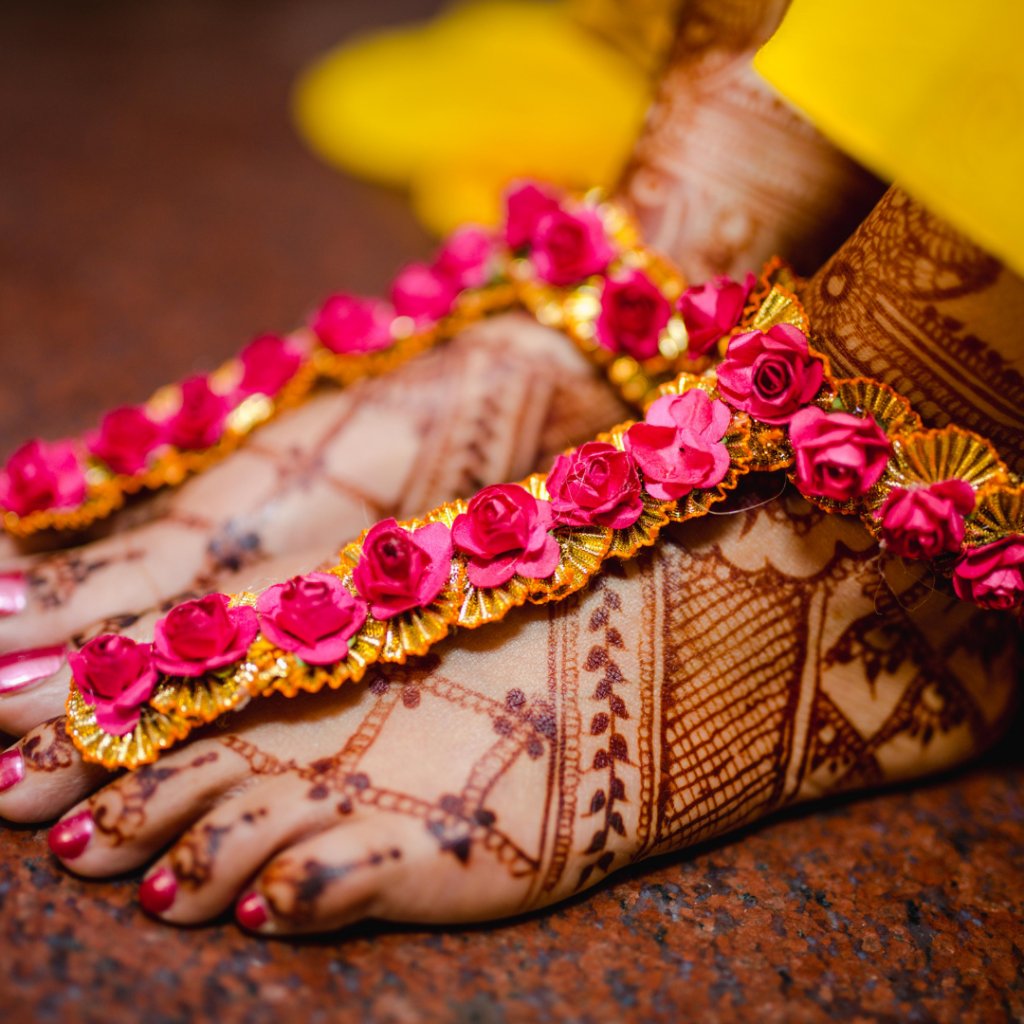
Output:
x=930 y=95
x=489 y=91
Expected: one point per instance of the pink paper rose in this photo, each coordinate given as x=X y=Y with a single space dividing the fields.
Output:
x=838 y=455
x=268 y=363
x=525 y=204
x=125 y=439
x=466 y=255
x=596 y=485
x=400 y=569
x=633 y=314
x=348 y=323
x=40 y=476
x=569 y=246
x=202 y=635
x=711 y=310
x=312 y=616
x=117 y=676
x=770 y=375
x=423 y=293
x=199 y=422
x=679 y=445
x=926 y=521
x=990 y=576
x=505 y=531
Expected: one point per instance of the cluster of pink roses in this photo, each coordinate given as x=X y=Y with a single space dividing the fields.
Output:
x=41 y=475
x=634 y=312
x=504 y=531
x=773 y=376
x=566 y=243
x=424 y=293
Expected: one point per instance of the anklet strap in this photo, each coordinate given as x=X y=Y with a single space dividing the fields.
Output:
x=185 y=428
x=767 y=401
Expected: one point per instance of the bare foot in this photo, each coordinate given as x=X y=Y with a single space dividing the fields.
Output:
x=747 y=662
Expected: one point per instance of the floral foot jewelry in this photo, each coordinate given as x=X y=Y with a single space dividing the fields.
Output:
x=771 y=402
x=574 y=263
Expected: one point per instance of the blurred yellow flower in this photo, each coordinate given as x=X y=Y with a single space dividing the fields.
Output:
x=489 y=91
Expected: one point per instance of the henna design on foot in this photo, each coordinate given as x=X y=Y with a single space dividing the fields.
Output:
x=293 y=891
x=50 y=749
x=119 y=810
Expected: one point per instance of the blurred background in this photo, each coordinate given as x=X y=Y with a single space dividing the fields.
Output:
x=157 y=207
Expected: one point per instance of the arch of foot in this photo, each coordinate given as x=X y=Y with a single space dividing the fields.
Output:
x=911 y=301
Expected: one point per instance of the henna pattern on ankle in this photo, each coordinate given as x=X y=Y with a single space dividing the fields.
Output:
x=910 y=301
x=713 y=206
x=600 y=659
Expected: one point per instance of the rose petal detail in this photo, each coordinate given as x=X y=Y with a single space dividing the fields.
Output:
x=711 y=310
x=770 y=375
x=680 y=446
x=633 y=315
x=838 y=455
x=348 y=323
x=504 y=530
x=313 y=616
x=400 y=569
x=596 y=485
x=117 y=676
x=40 y=476
x=202 y=635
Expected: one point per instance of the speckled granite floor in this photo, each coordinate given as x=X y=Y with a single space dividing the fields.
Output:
x=155 y=210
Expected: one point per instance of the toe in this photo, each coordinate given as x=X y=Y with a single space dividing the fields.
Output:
x=33 y=688
x=43 y=775
x=382 y=865
x=127 y=821
x=332 y=879
x=202 y=874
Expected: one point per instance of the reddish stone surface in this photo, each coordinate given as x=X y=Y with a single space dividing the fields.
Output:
x=156 y=211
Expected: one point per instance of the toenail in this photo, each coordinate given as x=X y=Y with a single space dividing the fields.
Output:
x=12 y=769
x=70 y=837
x=157 y=892
x=251 y=911
x=13 y=593
x=22 y=669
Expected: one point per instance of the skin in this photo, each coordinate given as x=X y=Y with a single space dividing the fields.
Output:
x=698 y=172
x=751 y=660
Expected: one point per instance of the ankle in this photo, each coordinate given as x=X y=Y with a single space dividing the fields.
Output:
x=911 y=302
x=727 y=174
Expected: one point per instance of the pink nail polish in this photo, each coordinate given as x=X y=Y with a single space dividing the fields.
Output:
x=13 y=593
x=68 y=838
x=251 y=911
x=157 y=892
x=22 y=669
x=12 y=769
